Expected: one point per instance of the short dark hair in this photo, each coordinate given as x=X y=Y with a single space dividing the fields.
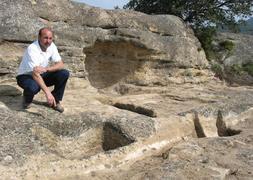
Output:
x=48 y=28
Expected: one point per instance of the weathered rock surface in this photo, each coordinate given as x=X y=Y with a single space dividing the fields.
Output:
x=94 y=138
x=236 y=64
x=128 y=47
x=211 y=158
x=139 y=98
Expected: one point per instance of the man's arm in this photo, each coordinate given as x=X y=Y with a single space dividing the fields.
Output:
x=37 y=77
x=57 y=66
x=50 y=98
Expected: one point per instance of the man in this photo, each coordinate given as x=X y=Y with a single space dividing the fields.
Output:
x=34 y=72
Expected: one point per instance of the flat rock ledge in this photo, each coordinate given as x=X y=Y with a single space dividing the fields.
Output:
x=100 y=134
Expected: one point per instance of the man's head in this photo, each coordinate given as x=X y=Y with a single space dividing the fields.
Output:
x=45 y=38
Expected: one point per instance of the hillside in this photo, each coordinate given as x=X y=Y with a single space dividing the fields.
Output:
x=248 y=27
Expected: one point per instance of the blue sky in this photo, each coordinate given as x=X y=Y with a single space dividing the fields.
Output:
x=105 y=4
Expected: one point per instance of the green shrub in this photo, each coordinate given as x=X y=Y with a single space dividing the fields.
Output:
x=248 y=68
x=228 y=45
x=205 y=36
x=199 y=49
x=237 y=69
x=211 y=54
x=217 y=69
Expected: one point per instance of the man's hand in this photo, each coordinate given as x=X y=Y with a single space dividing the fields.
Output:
x=39 y=69
x=50 y=99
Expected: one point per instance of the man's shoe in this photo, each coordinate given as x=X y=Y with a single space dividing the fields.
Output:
x=59 y=108
x=26 y=105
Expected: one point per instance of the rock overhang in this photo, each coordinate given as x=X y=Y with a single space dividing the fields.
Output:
x=167 y=37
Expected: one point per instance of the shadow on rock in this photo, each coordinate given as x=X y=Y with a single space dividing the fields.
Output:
x=41 y=103
x=11 y=97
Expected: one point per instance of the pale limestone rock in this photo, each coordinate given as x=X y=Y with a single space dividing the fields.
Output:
x=138 y=83
x=105 y=46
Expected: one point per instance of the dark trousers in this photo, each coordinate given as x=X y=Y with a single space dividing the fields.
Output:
x=58 y=79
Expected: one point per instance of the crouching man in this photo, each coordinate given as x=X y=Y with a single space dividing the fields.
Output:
x=34 y=72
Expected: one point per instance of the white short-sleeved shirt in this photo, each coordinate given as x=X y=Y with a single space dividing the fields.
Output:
x=34 y=56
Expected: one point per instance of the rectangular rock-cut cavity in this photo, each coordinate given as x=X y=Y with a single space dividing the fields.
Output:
x=136 y=109
x=113 y=137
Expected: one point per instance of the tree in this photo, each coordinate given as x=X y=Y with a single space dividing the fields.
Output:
x=204 y=16
x=197 y=13
x=116 y=7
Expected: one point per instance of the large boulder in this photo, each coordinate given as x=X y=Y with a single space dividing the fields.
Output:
x=109 y=47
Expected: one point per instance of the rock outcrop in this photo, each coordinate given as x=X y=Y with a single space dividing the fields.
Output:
x=234 y=63
x=139 y=97
x=108 y=47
